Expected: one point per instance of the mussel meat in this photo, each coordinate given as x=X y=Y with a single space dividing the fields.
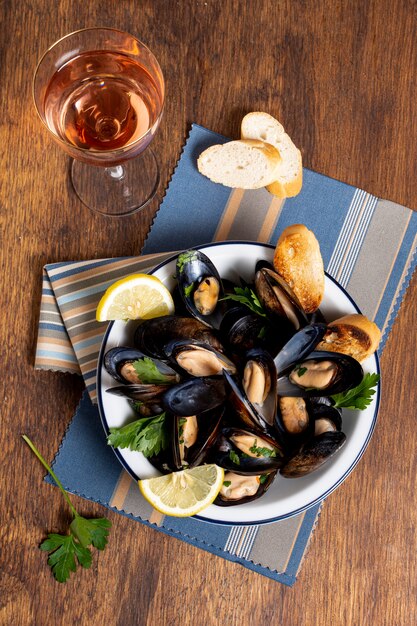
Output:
x=241 y=488
x=129 y=366
x=320 y=373
x=247 y=451
x=279 y=300
x=193 y=436
x=153 y=335
x=254 y=397
x=199 y=359
x=200 y=286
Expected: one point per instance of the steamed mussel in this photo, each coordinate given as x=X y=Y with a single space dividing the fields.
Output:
x=242 y=389
x=200 y=286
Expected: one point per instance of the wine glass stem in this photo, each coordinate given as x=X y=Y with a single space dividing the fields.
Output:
x=116 y=172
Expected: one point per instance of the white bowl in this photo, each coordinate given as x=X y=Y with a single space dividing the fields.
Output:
x=286 y=497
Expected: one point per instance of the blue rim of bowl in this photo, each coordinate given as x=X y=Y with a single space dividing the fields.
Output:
x=278 y=518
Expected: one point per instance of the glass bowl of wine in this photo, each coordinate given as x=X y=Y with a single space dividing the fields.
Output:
x=100 y=93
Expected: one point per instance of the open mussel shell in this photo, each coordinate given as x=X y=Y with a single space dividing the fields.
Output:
x=139 y=392
x=200 y=287
x=119 y=363
x=254 y=395
x=239 y=488
x=247 y=451
x=195 y=396
x=193 y=436
x=153 y=335
x=279 y=300
x=198 y=359
x=299 y=346
x=294 y=421
x=313 y=454
x=326 y=418
x=320 y=373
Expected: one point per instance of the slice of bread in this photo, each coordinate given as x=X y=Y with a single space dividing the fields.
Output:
x=289 y=173
x=353 y=334
x=246 y=163
x=298 y=260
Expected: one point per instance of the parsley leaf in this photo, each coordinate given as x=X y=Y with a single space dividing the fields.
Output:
x=234 y=457
x=262 y=451
x=262 y=333
x=147 y=435
x=62 y=559
x=262 y=478
x=148 y=373
x=188 y=290
x=66 y=550
x=185 y=257
x=227 y=483
x=359 y=397
x=91 y=531
x=245 y=295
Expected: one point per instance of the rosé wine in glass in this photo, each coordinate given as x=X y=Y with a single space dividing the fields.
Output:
x=100 y=92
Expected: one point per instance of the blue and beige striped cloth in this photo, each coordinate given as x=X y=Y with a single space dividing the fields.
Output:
x=368 y=245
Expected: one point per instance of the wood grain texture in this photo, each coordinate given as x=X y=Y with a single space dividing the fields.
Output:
x=340 y=75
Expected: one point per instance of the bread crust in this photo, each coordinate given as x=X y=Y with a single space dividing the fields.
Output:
x=288 y=189
x=298 y=260
x=352 y=334
x=262 y=126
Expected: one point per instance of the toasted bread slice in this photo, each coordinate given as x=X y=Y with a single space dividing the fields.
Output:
x=246 y=163
x=298 y=260
x=289 y=173
x=353 y=334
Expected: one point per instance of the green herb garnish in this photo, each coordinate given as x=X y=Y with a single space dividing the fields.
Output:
x=148 y=373
x=247 y=296
x=136 y=404
x=227 y=483
x=188 y=290
x=147 y=435
x=262 y=452
x=66 y=550
x=262 y=333
x=234 y=457
x=185 y=257
x=359 y=397
x=262 y=478
x=182 y=421
x=301 y=370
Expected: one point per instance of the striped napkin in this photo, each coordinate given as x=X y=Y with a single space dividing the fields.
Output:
x=368 y=245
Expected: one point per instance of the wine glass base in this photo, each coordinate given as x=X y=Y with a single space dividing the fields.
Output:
x=117 y=190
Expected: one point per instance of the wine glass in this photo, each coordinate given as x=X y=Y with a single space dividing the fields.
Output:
x=100 y=93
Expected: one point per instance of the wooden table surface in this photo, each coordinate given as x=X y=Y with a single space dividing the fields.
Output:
x=341 y=76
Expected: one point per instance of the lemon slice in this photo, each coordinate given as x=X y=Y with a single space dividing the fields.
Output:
x=138 y=296
x=183 y=493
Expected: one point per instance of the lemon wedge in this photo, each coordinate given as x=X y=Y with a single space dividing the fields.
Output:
x=184 y=493
x=138 y=296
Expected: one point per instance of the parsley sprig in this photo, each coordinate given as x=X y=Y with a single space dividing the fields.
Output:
x=147 y=435
x=148 y=373
x=359 y=397
x=245 y=295
x=65 y=551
